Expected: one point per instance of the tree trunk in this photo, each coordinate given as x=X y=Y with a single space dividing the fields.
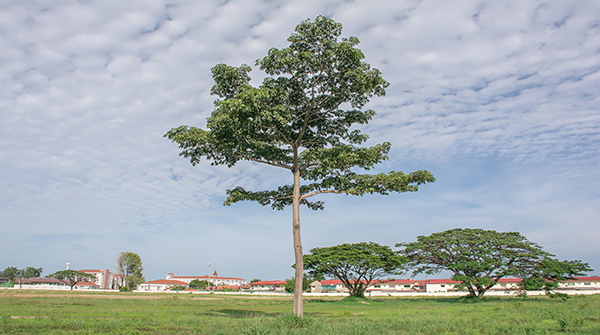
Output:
x=471 y=291
x=298 y=310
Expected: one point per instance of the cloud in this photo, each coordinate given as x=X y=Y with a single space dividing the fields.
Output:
x=499 y=100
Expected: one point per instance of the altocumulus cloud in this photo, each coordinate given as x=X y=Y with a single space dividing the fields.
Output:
x=498 y=99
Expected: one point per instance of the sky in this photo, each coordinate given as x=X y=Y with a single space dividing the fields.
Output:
x=498 y=99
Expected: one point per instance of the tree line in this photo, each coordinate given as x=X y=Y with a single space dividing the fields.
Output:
x=129 y=266
x=477 y=258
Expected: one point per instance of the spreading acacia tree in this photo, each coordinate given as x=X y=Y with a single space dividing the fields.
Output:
x=479 y=258
x=356 y=265
x=299 y=119
x=72 y=277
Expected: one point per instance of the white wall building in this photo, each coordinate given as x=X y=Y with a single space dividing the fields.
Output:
x=215 y=279
x=160 y=285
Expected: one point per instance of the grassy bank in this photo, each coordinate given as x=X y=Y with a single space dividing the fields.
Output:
x=26 y=312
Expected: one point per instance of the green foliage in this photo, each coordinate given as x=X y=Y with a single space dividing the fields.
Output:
x=290 y=284
x=200 y=284
x=177 y=288
x=547 y=274
x=299 y=107
x=255 y=280
x=479 y=258
x=129 y=265
x=72 y=277
x=356 y=265
x=15 y=275
x=299 y=119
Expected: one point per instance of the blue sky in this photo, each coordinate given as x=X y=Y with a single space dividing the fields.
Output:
x=499 y=99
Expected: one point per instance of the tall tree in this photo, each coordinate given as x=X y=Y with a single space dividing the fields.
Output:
x=299 y=119
x=479 y=258
x=357 y=265
x=72 y=277
x=19 y=275
x=129 y=265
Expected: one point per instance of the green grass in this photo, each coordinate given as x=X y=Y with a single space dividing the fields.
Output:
x=41 y=312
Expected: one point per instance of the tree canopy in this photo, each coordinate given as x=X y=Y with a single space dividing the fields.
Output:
x=18 y=275
x=299 y=119
x=479 y=258
x=356 y=265
x=72 y=277
x=129 y=264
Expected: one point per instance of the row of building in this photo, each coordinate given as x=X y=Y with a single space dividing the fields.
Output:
x=105 y=279
x=397 y=286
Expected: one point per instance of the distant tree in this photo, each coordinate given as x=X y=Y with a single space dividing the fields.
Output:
x=19 y=275
x=299 y=120
x=129 y=265
x=200 y=284
x=479 y=258
x=290 y=284
x=72 y=277
x=356 y=265
x=10 y=273
x=255 y=280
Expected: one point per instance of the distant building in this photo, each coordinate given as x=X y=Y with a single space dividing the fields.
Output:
x=106 y=279
x=160 y=285
x=215 y=279
x=265 y=286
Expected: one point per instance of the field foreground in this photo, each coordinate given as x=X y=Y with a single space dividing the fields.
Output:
x=46 y=312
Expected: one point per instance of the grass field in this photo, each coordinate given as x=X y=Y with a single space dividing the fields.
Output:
x=45 y=312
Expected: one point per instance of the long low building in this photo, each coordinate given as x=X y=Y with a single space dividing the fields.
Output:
x=399 y=286
x=160 y=285
x=215 y=279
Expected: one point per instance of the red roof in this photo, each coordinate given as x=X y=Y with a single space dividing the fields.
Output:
x=271 y=282
x=85 y=283
x=510 y=280
x=401 y=281
x=441 y=281
x=588 y=278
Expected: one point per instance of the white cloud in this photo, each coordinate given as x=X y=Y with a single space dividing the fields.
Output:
x=88 y=90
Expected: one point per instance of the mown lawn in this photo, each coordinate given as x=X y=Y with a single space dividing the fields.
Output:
x=40 y=312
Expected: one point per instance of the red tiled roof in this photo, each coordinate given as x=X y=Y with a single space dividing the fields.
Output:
x=401 y=281
x=270 y=282
x=510 y=280
x=41 y=281
x=85 y=283
x=441 y=281
x=588 y=278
